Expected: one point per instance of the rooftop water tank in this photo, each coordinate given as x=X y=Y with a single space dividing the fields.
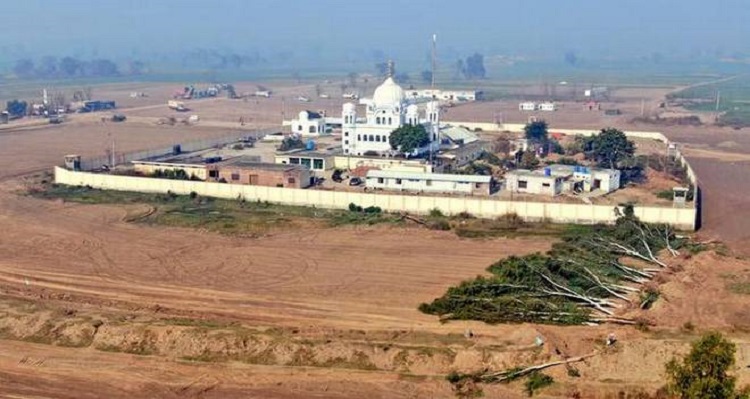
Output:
x=547 y=172
x=310 y=145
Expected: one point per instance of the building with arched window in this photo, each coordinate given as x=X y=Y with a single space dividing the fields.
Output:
x=309 y=123
x=386 y=111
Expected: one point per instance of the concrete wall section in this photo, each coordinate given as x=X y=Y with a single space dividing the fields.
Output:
x=683 y=218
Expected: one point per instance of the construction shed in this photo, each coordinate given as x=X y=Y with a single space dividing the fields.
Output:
x=242 y=170
x=429 y=182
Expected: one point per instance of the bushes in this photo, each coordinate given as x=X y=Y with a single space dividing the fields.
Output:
x=536 y=381
x=370 y=209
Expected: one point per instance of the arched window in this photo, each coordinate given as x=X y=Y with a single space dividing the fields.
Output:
x=311 y=129
x=377 y=120
x=359 y=137
x=377 y=138
x=390 y=121
x=372 y=138
x=385 y=139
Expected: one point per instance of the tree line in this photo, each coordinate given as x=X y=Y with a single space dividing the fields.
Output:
x=71 y=67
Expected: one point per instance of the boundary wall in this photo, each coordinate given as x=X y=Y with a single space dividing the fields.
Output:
x=682 y=218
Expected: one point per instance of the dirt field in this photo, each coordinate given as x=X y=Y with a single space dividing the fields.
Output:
x=93 y=306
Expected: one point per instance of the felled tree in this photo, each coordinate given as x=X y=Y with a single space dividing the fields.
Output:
x=407 y=138
x=581 y=279
x=609 y=148
x=702 y=373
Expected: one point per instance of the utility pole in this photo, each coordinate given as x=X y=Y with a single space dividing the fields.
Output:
x=434 y=59
x=643 y=108
x=718 y=100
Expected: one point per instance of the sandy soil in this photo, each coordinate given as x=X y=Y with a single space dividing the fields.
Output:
x=341 y=291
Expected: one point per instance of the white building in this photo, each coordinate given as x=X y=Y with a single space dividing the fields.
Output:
x=548 y=106
x=428 y=182
x=531 y=182
x=309 y=123
x=446 y=95
x=527 y=106
x=555 y=179
x=388 y=110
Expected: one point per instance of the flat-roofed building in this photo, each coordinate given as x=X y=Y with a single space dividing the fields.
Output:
x=531 y=182
x=242 y=170
x=429 y=182
x=313 y=160
x=555 y=179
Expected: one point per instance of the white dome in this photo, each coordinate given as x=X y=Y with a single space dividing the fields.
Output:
x=388 y=93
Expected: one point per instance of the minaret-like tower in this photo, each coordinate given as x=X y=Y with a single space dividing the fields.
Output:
x=433 y=117
x=349 y=127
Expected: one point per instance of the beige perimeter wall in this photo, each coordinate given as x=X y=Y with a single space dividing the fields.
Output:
x=683 y=218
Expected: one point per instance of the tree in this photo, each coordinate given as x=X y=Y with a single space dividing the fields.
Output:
x=70 y=66
x=460 y=68
x=407 y=138
x=381 y=68
x=136 y=67
x=475 y=67
x=47 y=67
x=536 y=132
x=702 y=373
x=528 y=160
x=426 y=76
x=24 y=67
x=609 y=148
x=102 y=67
x=353 y=76
x=402 y=77
x=571 y=58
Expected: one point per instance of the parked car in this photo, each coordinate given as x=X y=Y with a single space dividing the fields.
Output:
x=355 y=181
x=336 y=177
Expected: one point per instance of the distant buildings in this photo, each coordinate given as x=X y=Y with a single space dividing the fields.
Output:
x=532 y=106
x=446 y=95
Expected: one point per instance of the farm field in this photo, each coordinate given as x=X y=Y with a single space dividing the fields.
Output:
x=94 y=305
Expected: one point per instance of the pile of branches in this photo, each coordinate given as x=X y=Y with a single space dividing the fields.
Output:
x=582 y=279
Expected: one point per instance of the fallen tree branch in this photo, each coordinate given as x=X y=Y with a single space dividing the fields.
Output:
x=513 y=374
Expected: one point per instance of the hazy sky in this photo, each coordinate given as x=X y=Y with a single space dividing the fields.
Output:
x=343 y=30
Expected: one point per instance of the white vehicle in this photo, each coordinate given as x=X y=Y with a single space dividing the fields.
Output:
x=351 y=96
x=263 y=93
x=273 y=137
x=178 y=106
x=324 y=96
x=303 y=99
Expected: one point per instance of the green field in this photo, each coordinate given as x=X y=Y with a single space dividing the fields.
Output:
x=734 y=99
